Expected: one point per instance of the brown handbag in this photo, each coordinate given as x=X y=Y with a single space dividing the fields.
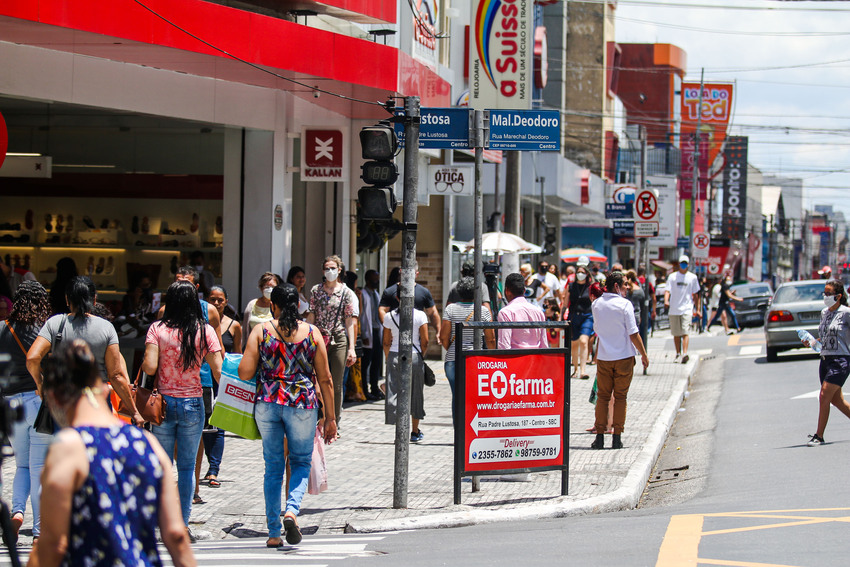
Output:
x=149 y=402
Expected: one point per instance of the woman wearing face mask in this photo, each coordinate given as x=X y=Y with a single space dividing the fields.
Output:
x=334 y=309
x=259 y=310
x=723 y=306
x=834 y=333
x=577 y=311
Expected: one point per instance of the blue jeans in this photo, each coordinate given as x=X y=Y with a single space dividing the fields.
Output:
x=298 y=426
x=30 y=450
x=729 y=313
x=214 y=450
x=180 y=435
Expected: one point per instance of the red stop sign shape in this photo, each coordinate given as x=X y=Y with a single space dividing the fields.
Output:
x=4 y=140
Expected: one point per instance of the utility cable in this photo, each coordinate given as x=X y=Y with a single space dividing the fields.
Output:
x=255 y=66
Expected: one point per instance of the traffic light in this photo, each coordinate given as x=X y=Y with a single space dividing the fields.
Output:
x=379 y=145
x=551 y=238
x=377 y=203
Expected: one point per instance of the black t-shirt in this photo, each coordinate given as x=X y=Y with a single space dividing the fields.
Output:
x=724 y=287
x=580 y=298
x=21 y=381
x=422 y=299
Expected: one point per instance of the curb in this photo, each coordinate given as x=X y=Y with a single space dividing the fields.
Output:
x=624 y=498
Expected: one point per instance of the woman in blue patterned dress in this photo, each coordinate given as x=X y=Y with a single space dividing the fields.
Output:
x=289 y=358
x=107 y=485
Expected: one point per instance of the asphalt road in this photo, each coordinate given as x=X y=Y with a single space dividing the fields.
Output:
x=736 y=485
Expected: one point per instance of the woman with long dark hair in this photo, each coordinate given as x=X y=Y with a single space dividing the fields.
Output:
x=81 y=323
x=578 y=312
x=298 y=278
x=66 y=270
x=108 y=484
x=17 y=334
x=175 y=348
x=834 y=337
x=290 y=361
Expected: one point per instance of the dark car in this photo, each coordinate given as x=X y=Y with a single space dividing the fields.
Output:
x=755 y=297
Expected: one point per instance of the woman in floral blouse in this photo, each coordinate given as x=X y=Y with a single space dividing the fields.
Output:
x=334 y=309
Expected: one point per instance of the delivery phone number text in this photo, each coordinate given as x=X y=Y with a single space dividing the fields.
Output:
x=508 y=454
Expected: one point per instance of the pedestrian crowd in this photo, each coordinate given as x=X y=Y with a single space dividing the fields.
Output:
x=308 y=349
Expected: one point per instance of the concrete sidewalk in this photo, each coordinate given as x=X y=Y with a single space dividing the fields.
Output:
x=360 y=467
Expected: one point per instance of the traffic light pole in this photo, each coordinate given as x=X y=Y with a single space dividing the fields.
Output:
x=405 y=311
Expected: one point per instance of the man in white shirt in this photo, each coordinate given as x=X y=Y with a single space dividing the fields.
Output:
x=544 y=283
x=619 y=340
x=681 y=298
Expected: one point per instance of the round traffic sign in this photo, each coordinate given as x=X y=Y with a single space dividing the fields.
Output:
x=701 y=240
x=713 y=268
x=646 y=205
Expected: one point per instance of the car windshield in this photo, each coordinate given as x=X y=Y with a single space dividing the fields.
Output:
x=791 y=294
x=754 y=290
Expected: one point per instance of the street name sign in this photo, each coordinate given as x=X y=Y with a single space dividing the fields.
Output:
x=441 y=128
x=620 y=211
x=528 y=130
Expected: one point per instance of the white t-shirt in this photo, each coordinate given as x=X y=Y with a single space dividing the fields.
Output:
x=549 y=279
x=714 y=302
x=682 y=287
x=391 y=323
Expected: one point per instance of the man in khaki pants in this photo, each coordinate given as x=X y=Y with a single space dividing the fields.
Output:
x=619 y=340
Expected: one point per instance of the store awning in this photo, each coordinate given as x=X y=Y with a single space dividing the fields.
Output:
x=125 y=31
x=666 y=266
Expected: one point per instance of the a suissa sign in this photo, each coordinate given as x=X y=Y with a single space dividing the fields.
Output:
x=513 y=407
x=501 y=53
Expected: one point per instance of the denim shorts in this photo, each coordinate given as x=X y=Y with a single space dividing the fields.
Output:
x=834 y=369
x=581 y=324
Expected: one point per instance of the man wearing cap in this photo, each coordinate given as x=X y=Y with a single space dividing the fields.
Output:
x=825 y=273
x=681 y=298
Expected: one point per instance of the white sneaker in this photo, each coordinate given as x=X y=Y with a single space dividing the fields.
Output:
x=814 y=440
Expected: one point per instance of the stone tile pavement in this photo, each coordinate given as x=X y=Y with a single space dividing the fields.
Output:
x=360 y=466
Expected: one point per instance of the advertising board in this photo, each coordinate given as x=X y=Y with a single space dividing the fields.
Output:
x=514 y=408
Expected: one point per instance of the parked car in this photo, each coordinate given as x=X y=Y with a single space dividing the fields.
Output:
x=795 y=305
x=755 y=297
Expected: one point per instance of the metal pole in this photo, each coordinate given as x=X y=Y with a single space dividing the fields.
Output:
x=497 y=200
x=542 y=223
x=405 y=325
x=513 y=205
x=478 y=221
x=644 y=248
x=695 y=183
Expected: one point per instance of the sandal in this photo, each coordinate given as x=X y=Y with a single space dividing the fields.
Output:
x=198 y=500
x=214 y=483
x=293 y=533
x=274 y=542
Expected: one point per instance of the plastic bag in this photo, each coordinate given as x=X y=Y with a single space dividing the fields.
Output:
x=234 y=407
x=318 y=480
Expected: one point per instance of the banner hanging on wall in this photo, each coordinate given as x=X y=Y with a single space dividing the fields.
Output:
x=735 y=188
x=500 y=54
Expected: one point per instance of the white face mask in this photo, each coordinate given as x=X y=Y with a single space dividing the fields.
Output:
x=267 y=292
x=581 y=276
x=830 y=300
x=331 y=274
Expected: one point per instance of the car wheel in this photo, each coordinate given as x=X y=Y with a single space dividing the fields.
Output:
x=772 y=354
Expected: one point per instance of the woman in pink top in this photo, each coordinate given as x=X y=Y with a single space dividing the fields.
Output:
x=175 y=348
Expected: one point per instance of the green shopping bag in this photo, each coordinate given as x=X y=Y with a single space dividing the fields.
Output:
x=234 y=406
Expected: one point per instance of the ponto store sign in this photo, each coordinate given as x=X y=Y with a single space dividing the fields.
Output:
x=322 y=155
x=450 y=180
x=514 y=411
x=501 y=51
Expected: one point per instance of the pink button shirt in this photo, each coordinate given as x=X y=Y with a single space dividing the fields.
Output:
x=517 y=311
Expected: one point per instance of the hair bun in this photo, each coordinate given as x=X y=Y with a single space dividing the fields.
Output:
x=284 y=294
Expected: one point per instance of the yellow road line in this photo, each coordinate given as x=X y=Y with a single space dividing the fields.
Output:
x=681 y=542
x=703 y=561
x=769 y=526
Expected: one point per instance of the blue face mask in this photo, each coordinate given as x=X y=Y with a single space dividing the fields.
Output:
x=683 y=265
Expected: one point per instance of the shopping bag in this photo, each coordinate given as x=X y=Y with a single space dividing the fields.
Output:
x=593 y=392
x=234 y=407
x=318 y=479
